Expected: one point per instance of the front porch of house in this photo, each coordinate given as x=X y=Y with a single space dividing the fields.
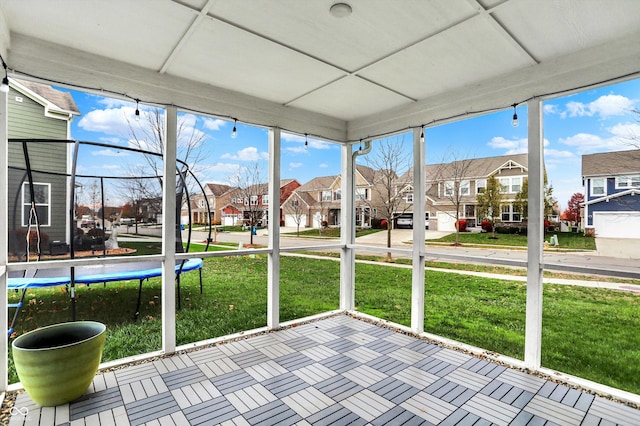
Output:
x=338 y=369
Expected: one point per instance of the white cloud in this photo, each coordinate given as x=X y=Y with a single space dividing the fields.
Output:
x=512 y=146
x=300 y=139
x=605 y=106
x=111 y=166
x=249 y=153
x=629 y=131
x=220 y=168
x=295 y=165
x=556 y=153
x=112 y=121
x=587 y=143
x=323 y=165
x=109 y=153
x=214 y=124
x=550 y=109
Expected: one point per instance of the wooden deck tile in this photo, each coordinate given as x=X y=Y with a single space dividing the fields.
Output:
x=277 y=351
x=136 y=373
x=249 y=358
x=336 y=415
x=216 y=411
x=301 y=343
x=365 y=376
x=521 y=380
x=285 y=384
x=314 y=373
x=206 y=355
x=554 y=411
x=428 y=407
x=275 y=413
x=265 y=370
x=148 y=409
x=95 y=403
x=294 y=361
x=340 y=363
x=415 y=377
x=399 y=416
x=468 y=379
x=382 y=346
x=342 y=331
x=322 y=336
x=615 y=412
x=319 y=352
x=387 y=365
x=452 y=357
x=250 y=398
x=435 y=366
x=308 y=401
x=491 y=409
x=394 y=390
x=361 y=338
x=218 y=367
x=367 y=405
x=338 y=388
x=186 y=376
x=231 y=382
x=406 y=355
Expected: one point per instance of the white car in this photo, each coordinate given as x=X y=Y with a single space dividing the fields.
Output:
x=404 y=222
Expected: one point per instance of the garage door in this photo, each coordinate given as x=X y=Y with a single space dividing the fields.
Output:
x=446 y=222
x=617 y=224
x=290 y=221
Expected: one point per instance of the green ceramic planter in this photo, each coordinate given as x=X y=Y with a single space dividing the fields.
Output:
x=56 y=364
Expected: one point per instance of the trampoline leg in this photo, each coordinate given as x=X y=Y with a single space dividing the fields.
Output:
x=15 y=314
x=135 y=316
x=200 y=272
x=179 y=298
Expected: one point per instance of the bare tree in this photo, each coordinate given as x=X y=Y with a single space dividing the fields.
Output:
x=251 y=188
x=453 y=173
x=295 y=209
x=388 y=161
x=148 y=136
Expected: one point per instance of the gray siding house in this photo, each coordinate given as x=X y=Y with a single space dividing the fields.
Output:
x=37 y=111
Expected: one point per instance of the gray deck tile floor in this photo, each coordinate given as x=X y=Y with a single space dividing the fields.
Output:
x=335 y=371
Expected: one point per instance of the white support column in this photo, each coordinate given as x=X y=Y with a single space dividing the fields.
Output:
x=4 y=230
x=273 y=271
x=535 y=237
x=417 y=276
x=169 y=222
x=347 y=231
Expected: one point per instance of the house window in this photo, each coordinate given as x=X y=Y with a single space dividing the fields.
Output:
x=294 y=203
x=201 y=203
x=628 y=182
x=481 y=186
x=448 y=188
x=506 y=213
x=469 y=210
x=598 y=186
x=516 y=184
x=233 y=201
x=254 y=200
x=361 y=194
x=325 y=196
x=409 y=197
x=265 y=200
x=510 y=185
x=337 y=195
x=464 y=187
x=246 y=201
x=42 y=201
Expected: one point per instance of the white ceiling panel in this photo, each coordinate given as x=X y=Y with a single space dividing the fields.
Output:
x=140 y=32
x=224 y=56
x=467 y=53
x=566 y=26
x=349 y=98
x=374 y=29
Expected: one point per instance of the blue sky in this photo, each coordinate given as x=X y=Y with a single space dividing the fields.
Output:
x=595 y=120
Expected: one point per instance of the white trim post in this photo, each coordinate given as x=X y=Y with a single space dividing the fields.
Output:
x=417 y=275
x=273 y=267
x=169 y=222
x=535 y=237
x=4 y=230
x=347 y=231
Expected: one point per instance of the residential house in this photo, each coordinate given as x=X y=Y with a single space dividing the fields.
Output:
x=611 y=183
x=459 y=182
x=38 y=111
x=318 y=201
x=250 y=206
x=200 y=212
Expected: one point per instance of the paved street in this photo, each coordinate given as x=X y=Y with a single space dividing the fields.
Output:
x=401 y=238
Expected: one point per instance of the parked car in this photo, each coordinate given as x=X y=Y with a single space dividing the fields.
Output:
x=404 y=222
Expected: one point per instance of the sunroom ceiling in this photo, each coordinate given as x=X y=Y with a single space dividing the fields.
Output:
x=387 y=66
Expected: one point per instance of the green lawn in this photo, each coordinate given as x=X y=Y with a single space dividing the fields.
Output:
x=566 y=240
x=588 y=332
x=331 y=232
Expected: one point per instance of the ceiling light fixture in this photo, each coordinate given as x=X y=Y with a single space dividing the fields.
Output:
x=514 y=121
x=138 y=109
x=340 y=10
x=4 y=88
x=306 y=142
x=421 y=133
x=234 y=132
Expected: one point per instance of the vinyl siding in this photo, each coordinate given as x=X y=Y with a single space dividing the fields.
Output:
x=27 y=120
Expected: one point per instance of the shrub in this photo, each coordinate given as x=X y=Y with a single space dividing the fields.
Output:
x=96 y=232
x=324 y=223
x=384 y=224
x=486 y=226
x=18 y=241
x=378 y=223
x=461 y=225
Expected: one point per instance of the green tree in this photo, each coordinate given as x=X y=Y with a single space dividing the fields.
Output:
x=521 y=202
x=489 y=201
